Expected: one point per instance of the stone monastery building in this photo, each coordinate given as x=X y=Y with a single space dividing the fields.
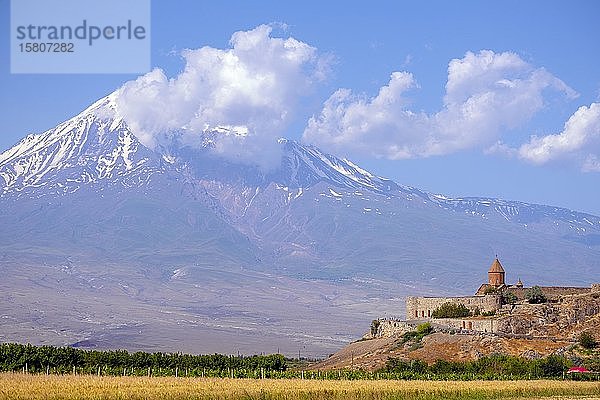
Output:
x=488 y=298
x=496 y=307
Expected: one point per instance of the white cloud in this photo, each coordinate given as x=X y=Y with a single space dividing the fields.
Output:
x=580 y=139
x=381 y=126
x=255 y=84
x=486 y=93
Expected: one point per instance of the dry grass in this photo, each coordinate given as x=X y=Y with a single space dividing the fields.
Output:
x=19 y=386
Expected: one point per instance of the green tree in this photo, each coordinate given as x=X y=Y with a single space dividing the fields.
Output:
x=442 y=367
x=535 y=295
x=587 y=341
x=553 y=365
x=451 y=310
x=508 y=297
x=394 y=364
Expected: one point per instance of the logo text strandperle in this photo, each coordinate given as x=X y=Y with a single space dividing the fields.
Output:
x=81 y=32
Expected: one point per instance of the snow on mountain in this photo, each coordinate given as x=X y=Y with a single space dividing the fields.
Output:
x=304 y=166
x=519 y=212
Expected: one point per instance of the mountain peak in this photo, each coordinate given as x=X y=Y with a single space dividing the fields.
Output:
x=94 y=145
x=305 y=165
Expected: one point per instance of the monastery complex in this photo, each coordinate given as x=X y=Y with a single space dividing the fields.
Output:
x=496 y=307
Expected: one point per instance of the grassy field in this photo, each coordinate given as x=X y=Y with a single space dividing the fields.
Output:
x=20 y=386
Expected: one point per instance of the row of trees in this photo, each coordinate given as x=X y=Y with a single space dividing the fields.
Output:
x=50 y=359
x=14 y=357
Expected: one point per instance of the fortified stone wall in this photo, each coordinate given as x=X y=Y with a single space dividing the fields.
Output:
x=489 y=325
x=391 y=327
x=423 y=307
x=396 y=327
x=551 y=292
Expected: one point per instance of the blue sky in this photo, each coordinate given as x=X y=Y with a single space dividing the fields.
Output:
x=520 y=69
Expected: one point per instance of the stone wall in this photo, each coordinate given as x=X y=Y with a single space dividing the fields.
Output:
x=396 y=327
x=423 y=307
x=552 y=293
x=489 y=325
x=391 y=327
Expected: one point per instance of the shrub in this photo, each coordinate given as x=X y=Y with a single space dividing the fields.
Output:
x=408 y=336
x=397 y=365
x=535 y=295
x=424 y=329
x=451 y=310
x=418 y=366
x=494 y=366
x=587 y=341
x=442 y=367
x=489 y=313
x=591 y=363
x=416 y=335
x=415 y=346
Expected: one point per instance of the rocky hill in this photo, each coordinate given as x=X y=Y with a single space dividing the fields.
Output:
x=530 y=331
x=564 y=319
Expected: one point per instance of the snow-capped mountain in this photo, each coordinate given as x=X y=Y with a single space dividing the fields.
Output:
x=90 y=148
x=96 y=149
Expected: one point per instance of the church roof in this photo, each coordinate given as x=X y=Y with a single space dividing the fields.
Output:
x=496 y=266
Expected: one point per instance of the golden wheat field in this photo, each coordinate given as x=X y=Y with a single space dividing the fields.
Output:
x=21 y=386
